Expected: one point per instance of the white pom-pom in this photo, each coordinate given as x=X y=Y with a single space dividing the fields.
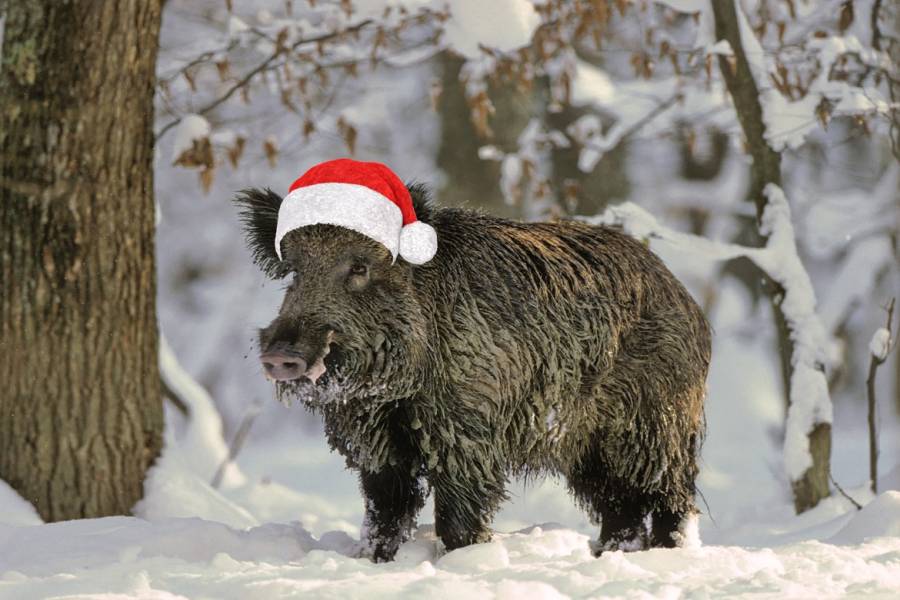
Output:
x=418 y=243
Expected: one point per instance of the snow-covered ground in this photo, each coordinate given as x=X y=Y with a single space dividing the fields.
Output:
x=285 y=521
x=831 y=552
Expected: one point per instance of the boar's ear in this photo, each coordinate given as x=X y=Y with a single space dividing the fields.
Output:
x=422 y=203
x=259 y=215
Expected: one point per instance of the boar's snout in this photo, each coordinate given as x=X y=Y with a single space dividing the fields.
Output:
x=281 y=365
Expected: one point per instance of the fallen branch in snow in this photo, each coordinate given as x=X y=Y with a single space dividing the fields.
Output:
x=172 y=396
x=200 y=435
x=237 y=443
x=810 y=411
x=843 y=493
x=879 y=347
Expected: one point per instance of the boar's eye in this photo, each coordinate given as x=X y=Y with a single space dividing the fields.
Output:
x=357 y=276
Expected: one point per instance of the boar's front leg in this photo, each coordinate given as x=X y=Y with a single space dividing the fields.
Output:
x=394 y=496
x=465 y=500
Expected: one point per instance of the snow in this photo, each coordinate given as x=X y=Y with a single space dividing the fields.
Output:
x=192 y=127
x=788 y=122
x=14 y=510
x=199 y=437
x=879 y=518
x=722 y=47
x=810 y=401
x=503 y=25
x=880 y=344
x=753 y=50
x=685 y=6
x=126 y=557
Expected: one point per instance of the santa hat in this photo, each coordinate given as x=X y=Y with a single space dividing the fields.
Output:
x=366 y=197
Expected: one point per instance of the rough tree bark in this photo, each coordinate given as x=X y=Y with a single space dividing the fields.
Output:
x=80 y=407
x=813 y=485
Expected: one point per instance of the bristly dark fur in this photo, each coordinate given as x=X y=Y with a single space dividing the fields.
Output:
x=520 y=348
x=259 y=215
x=421 y=197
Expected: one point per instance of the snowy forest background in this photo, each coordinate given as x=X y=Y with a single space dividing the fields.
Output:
x=613 y=111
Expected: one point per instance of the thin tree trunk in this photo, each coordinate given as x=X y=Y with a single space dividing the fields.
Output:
x=813 y=484
x=80 y=407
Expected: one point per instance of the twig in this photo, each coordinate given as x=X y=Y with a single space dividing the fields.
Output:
x=843 y=493
x=199 y=60
x=238 y=441
x=876 y=31
x=260 y=68
x=173 y=397
x=876 y=362
x=657 y=110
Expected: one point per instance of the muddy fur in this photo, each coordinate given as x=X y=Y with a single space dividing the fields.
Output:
x=520 y=349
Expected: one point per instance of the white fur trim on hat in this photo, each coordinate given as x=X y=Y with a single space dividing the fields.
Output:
x=418 y=243
x=349 y=205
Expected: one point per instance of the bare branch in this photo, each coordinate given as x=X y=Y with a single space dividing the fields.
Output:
x=237 y=442
x=876 y=361
x=843 y=493
x=243 y=81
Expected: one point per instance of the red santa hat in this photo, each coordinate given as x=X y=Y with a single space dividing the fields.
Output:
x=366 y=197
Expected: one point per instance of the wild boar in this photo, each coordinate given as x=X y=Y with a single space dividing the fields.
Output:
x=518 y=349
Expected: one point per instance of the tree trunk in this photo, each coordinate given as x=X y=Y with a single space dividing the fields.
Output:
x=470 y=181
x=80 y=407
x=766 y=169
x=582 y=193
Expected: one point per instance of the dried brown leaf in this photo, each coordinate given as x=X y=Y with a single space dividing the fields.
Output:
x=281 y=40
x=823 y=112
x=286 y=100
x=224 y=69
x=435 y=90
x=731 y=60
x=308 y=128
x=349 y=133
x=236 y=151
x=665 y=48
x=206 y=179
x=792 y=9
x=270 y=148
x=200 y=154
x=846 y=17
x=189 y=77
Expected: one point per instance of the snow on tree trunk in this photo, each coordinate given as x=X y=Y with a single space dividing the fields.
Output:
x=807 y=462
x=810 y=404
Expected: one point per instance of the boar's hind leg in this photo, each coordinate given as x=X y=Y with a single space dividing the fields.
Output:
x=621 y=509
x=665 y=532
x=394 y=496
